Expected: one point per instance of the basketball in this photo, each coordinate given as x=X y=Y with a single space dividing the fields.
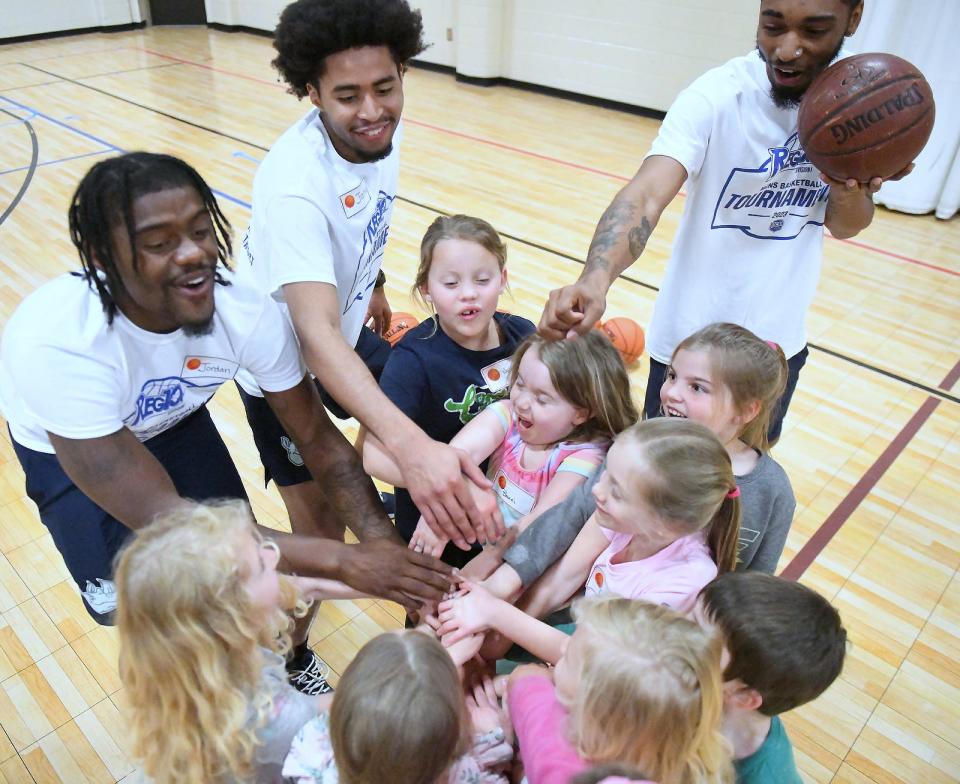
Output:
x=627 y=337
x=400 y=324
x=866 y=116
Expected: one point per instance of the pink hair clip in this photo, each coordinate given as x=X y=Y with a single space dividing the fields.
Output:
x=772 y=345
x=735 y=493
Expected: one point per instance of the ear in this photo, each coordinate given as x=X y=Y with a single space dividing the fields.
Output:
x=855 y=16
x=749 y=412
x=503 y=279
x=314 y=94
x=580 y=415
x=424 y=293
x=736 y=694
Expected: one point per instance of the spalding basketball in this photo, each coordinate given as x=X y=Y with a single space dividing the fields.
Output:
x=627 y=337
x=866 y=116
x=400 y=324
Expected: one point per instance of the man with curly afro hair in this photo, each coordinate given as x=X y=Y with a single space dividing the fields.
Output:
x=322 y=204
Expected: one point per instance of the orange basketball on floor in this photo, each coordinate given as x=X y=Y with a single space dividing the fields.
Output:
x=866 y=116
x=400 y=324
x=627 y=337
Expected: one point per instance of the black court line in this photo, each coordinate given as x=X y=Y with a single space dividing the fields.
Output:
x=122 y=71
x=530 y=243
x=60 y=79
x=34 y=157
x=25 y=86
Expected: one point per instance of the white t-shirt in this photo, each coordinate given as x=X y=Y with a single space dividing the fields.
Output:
x=749 y=244
x=319 y=218
x=64 y=370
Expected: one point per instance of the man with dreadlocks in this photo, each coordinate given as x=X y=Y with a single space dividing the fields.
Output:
x=105 y=376
x=322 y=204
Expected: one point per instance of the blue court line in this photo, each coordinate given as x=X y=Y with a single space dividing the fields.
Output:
x=104 y=142
x=58 y=160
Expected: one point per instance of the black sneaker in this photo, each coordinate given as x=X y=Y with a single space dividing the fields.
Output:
x=389 y=504
x=308 y=673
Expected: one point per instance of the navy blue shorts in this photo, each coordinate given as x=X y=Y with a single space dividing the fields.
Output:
x=88 y=538
x=281 y=460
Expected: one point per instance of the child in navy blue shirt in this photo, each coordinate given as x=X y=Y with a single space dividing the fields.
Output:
x=446 y=370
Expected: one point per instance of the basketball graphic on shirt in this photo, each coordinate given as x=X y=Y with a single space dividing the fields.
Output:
x=502 y=481
x=598 y=578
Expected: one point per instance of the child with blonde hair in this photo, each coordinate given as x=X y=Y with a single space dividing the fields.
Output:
x=568 y=399
x=399 y=716
x=638 y=684
x=203 y=619
x=665 y=523
x=448 y=369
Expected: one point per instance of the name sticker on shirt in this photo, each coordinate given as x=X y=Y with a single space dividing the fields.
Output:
x=197 y=368
x=353 y=201
x=513 y=496
x=497 y=375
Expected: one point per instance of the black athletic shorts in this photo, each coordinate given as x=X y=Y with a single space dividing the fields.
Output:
x=88 y=538
x=281 y=460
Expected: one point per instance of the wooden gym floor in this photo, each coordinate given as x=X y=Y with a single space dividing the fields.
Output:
x=872 y=443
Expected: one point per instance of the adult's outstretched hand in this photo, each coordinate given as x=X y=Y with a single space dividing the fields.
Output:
x=573 y=310
x=385 y=568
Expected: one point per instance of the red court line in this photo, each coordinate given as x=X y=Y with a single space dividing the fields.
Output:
x=893 y=255
x=814 y=546
x=532 y=154
x=822 y=536
x=951 y=378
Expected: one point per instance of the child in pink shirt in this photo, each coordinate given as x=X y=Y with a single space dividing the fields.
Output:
x=637 y=684
x=666 y=522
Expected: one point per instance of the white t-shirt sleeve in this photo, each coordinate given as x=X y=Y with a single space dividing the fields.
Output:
x=68 y=395
x=299 y=244
x=685 y=131
x=272 y=354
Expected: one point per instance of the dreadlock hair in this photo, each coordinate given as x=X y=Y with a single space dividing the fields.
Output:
x=104 y=199
x=311 y=30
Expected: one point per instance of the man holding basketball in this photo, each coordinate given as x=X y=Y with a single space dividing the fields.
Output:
x=750 y=242
x=322 y=204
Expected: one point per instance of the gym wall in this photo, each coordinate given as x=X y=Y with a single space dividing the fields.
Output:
x=35 y=17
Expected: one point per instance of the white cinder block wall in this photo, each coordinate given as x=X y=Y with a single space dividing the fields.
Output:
x=640 y=52
x=49 y=16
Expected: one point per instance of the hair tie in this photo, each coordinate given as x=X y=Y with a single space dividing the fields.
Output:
x=772 y=345
x=735 y=493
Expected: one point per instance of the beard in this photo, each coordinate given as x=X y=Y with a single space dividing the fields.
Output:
x=198 y=330
x=370 y=157
x=790 y=97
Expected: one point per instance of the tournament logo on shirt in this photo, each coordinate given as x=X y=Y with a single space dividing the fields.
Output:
x=374 y=241
x=775 y=200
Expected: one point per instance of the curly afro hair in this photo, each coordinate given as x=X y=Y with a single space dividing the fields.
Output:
x=311 y=30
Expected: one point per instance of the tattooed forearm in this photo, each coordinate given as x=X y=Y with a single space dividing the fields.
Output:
x=638 y=236
x=609 y=231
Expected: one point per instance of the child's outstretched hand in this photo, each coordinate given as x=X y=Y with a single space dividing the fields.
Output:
x=471 y=610
x=424 y=540
x=463 y=649
x=484 y=706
